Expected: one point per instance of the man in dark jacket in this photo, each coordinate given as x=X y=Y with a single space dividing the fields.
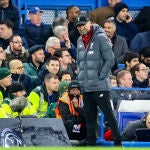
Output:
x=124 y=24
x=70 y=109
x=34 y=30
x=129 y=133
x=94 y=61
x=11 y=12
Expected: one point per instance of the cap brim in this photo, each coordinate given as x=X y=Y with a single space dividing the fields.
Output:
x=80 y=23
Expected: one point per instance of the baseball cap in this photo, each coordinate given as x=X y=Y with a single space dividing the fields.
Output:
x=82 y=19
x=74 y=84
x=35 y=10
x=35 y=48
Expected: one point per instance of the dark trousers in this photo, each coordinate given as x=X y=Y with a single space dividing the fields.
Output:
x=100 y=99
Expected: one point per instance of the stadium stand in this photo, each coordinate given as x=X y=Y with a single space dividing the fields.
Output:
x=52 y=9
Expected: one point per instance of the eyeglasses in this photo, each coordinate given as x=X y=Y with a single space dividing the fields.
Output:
x=146 y=70
x=19 y=68
x=56 y=49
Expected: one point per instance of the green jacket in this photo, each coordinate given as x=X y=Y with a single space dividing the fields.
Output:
x=31 y=70
x=43 y=103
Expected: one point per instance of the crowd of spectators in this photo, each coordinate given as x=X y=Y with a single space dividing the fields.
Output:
x=38 y=61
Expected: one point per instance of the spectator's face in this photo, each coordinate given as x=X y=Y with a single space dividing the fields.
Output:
x=112 y=2
x=66 y=77
x=16 y=67
x=5 y=82
x=53 y=66
x=5 y=32
x=74 y=13
x=113 y=83
x=126 y=81
x=133 y=62
x=36 y=18
x=66 y=58
x=52 y=85
x=110 y=29
x=146 y=61
x=16 y=44
x=4 y=3
x=142 y=73
x=74 y=91
x=2 y=54
x=38 y=56
x=51 y=49
x=122 y=15
x=84 y=29
x=148 y=121
x=20 y=93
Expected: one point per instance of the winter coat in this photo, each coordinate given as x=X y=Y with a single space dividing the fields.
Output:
x=95 y=62
x=12 y=13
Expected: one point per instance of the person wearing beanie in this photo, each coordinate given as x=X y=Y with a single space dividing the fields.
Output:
x=70 y=109
x=5 y=82
x=15 y=90
x=124 y=25
x=63 y=87
x=35 y=61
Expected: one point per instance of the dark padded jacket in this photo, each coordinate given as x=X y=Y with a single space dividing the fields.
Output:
x=12 y=13
x=95 y=62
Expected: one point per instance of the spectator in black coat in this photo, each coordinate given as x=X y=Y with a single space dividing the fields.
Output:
x=17 y=70
x=34 y=30
x=129 y=133
x=9 y=11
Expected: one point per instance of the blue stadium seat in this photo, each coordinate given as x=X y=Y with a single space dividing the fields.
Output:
x=124 y=117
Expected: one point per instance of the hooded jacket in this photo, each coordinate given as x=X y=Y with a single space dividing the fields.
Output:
x=95 y=62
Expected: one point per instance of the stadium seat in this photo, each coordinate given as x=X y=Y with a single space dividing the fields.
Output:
x=124 y=117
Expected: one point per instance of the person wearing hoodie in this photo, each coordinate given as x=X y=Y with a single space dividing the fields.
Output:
x=95 y=59
x=10 y=11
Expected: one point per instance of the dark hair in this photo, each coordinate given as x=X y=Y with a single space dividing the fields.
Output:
x=8 y=23
x=69 y=8
x=59 y=53
x=51 y=58
x=12 y=37
x=135 y=68
x=145 y=51
x=129 y=56
x=63 y=73
x=50 y=76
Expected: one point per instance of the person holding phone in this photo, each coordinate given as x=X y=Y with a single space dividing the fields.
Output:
x=124 y=25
